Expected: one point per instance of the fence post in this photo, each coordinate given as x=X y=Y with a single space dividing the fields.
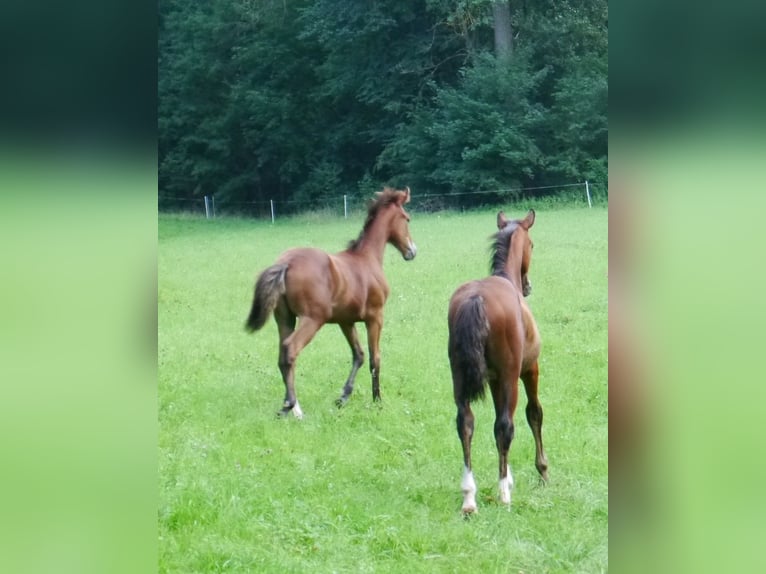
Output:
x=587 y=192
x=271 y=201
x=207 y=206
x=212 y=201
x=345 y=207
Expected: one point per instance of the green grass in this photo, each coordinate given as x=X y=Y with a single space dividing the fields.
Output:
x=374 y=487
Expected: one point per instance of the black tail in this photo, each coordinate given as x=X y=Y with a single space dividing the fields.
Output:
x=467 y=340
x=268 y=288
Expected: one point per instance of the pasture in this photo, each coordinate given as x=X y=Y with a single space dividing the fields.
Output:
x=374 y=487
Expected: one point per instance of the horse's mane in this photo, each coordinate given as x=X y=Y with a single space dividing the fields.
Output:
x=383 y=199
x=501 y=244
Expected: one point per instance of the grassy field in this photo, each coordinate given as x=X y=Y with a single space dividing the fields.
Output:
x=374 y=487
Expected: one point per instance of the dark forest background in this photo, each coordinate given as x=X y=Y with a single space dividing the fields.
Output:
x=298 y=100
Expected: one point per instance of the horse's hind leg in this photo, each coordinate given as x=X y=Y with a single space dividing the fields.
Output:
x=504 y=395
x=357 y=358
x=286 y=326
x=534 y=413
x=289 y=348
x=465 y=421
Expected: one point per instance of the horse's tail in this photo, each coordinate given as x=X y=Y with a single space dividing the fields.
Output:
x=268 y=288
x=468 y=333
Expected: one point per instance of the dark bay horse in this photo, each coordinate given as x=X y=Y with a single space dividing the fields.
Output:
x=493 y=336
x=314 y=288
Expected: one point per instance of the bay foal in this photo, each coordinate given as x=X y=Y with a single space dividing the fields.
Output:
x=313 y=288
x=493 y=337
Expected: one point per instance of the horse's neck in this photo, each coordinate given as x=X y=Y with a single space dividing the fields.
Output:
x=513 y=275
x=373 y=243
x=512 y=269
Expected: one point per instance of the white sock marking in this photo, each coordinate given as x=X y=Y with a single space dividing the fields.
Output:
x=468 y=486
x=297 y=411
x=506 y=485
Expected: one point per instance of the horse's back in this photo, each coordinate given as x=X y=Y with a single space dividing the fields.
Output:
x=332 y=288
x=306 y=265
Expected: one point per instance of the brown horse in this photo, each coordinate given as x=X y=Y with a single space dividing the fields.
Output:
x=492 y=335
x=315 y=288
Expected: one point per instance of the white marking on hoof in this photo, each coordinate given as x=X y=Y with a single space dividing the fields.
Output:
x=506 y=485
x=468 y=486
x=297 y=411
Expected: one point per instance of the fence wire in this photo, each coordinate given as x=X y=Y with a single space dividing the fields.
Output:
x=349 y=204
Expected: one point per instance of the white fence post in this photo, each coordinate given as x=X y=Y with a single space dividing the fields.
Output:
x=207 y=207
x=587 y=192
x=271 y=201
x=345 y=207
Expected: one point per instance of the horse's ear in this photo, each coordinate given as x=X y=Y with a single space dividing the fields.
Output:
x=529 y=220
x=407 y=195
x=501 y=220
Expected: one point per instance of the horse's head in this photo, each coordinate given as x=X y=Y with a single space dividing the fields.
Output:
x=399 y=228
x=522 y=242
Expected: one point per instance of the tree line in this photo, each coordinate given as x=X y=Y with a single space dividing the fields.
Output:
x=306 y=99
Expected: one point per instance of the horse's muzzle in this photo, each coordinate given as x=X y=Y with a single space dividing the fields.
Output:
x=412 y=250
x=526 y=288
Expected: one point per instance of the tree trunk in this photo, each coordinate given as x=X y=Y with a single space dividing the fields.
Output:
x=501 y=17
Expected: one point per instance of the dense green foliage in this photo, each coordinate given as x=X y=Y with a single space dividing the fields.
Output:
x=299 y=100
x=374 y=487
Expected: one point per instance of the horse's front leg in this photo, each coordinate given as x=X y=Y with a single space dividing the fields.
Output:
x=374 y=326
x=357 y=358
x=534 y=412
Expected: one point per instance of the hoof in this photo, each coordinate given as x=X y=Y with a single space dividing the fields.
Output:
x=295 y=409
x=340 y=402
x=469 y=510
